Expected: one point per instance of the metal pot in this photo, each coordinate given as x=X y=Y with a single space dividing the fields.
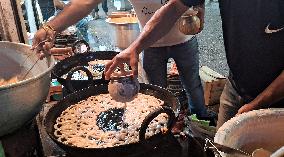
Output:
x=124 y=33
x=171 y=107
x=123 y=88
x=253 y=130
x=21 y=101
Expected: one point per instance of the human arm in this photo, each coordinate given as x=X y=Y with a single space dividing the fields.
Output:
x=72 y=13
x=160 y=24
x=273 y=93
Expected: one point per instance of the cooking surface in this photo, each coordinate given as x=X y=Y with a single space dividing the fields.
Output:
x=171 y=147
x=111 y=119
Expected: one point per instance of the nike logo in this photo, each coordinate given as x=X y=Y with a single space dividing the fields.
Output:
x=269 y=31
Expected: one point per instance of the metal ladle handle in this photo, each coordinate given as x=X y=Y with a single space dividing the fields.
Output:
x=26 y=74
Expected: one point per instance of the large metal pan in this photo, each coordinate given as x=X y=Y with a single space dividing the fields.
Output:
x=171 y=104
x=77 y=62
x=21 y=101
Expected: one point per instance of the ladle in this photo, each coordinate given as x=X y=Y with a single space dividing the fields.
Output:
x=33 y=53
x=225 y=149
x=35 y=61
x=237 y=152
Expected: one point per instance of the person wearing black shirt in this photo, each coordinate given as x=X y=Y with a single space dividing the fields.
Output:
x=254 y=44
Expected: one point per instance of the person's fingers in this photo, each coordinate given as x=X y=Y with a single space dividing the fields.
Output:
x=48 y=45
x=35 y=42
x=110 y=67
x=46 y=48
x=135 y=70
x=191 y=12
x=50 y=35
x=134 y=66
x=107 y=65
x=245 y=108
x=38 y=49
x=122 y=70
x=41 y=55
x=240 y=111
x=39 y=36
x=62 y=51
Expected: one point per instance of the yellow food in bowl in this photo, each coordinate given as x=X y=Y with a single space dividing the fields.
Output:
x=12 y=80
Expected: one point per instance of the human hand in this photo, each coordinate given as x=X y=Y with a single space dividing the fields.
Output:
x=43 y=41
x=246 y=108
x=127 y=56
x=201 y=13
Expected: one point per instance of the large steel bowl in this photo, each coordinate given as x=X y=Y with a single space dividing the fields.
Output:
x=21 y=101
x=253 y=130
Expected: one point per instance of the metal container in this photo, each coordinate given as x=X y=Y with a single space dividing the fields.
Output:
x=21 y=101
x=171 y=107
x=253 y=130
x=124 y=33
x=123 y=88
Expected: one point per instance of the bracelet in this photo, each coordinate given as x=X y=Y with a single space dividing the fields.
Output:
x=47 y=28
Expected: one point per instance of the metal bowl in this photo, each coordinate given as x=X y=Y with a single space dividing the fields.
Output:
x=21 y=101
x=124 y=33
x=123 y=88
x=253 y=130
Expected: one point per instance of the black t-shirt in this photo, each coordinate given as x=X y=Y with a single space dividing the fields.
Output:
x=255 y=58
x=191 y=3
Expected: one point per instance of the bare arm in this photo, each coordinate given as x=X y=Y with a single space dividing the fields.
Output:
x=160 y=23
x=72 y=13
x=273 y=93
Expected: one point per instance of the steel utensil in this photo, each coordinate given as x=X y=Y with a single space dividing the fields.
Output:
x=36 y=60
x=21 y=65
x=30 y=68
x=225 y=149
x=16 y=107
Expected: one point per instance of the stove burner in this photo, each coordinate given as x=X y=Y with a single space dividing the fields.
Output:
x=111 y=120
